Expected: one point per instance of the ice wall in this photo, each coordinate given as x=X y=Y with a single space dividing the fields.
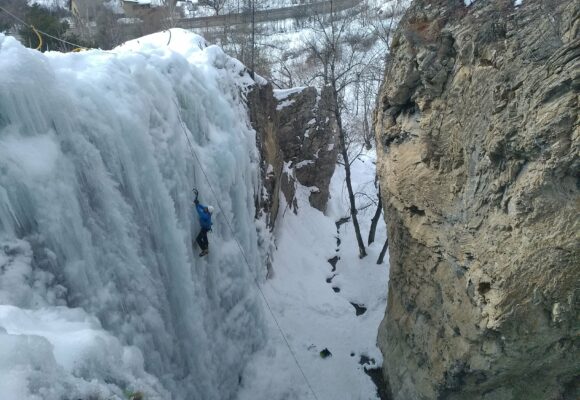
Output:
x=101 y=293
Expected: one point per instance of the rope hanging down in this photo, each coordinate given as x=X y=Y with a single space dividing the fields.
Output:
x=78 y=47
x=39 y=38
x=183 y=128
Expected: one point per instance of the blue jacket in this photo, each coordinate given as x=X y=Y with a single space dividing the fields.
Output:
x=204 y=217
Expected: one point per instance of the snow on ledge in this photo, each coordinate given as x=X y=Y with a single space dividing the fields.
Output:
x=284 y=104
x=282 y=94
x=304 y=163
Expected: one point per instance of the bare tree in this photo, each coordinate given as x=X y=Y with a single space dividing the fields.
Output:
x=109 y=32
x=216 y=5
x=351 y=61
x=286 y=74
x=384 y=25
x=253 y=41
x=340 y=55
x=244 y=41
x=375 y=219
x=383 y=252
x=17 y=8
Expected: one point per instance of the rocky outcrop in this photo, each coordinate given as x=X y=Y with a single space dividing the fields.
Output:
x=262 y=109
x=478 y=156
x=308 y=137
x=297 y=138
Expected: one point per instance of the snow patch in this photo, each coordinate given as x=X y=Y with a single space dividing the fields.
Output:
x=285 y=104
x=281 y=94
x=304 y=163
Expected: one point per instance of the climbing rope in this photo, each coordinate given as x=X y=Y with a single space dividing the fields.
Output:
x=183 y=128
x=39 y=38
x=77 y=47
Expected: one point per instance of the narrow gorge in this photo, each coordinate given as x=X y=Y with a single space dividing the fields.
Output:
x=467 y=171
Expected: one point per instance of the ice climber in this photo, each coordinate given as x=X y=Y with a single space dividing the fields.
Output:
x=205 y=213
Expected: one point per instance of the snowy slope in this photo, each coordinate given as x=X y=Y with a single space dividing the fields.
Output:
x=302 y=294
x=101 y=293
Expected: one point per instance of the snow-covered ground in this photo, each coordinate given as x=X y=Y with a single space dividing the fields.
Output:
x=304 y=297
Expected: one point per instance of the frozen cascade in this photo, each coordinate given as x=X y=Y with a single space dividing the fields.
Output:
x=101 y=292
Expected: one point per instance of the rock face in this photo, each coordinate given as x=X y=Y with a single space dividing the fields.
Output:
x=298 y=140
x=308 y=137
x=478 y=138
x=262 y=109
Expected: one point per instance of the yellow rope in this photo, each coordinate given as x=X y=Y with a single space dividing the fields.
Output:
x=39 y=38
x=38 y=32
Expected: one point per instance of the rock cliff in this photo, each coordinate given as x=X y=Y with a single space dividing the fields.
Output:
x=478 y=143
x=262 y=109
x=308 y=137
x=298 y=142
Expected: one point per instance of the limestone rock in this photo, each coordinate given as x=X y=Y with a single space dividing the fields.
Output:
x=478 y=155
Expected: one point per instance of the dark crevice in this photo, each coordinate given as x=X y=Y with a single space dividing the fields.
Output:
x=341 y=221
x=399 y=138
x=376 y=375
x=414 y=210
x=359 y=309
x=483 y=287
x=325 y=353
x=332 y=261
x=383 y=387
x=364 y=359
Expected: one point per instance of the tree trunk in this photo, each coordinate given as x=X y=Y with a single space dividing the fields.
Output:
x=252 y=66
x=353 y=211
x=375 y=219
x=383 y=252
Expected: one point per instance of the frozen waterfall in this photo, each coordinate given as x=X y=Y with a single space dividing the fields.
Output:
x=101 y=292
